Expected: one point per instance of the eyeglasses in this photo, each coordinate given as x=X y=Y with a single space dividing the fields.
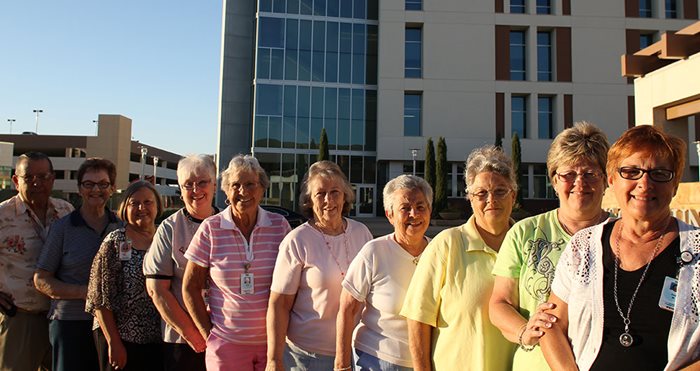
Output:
x=199 y=184
x=247 y=186
x=497 y=194
x=136 y=204
x=91 y=185
x=635 y=173
x=37 y=178
x=571 y=176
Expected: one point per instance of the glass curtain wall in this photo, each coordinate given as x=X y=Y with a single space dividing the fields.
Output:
x=316 y=67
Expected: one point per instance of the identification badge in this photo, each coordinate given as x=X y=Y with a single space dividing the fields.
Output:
x=124 y=250
x=247 y=283
x=668 y=294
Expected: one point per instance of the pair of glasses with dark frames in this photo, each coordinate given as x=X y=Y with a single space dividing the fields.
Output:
x=635 y=173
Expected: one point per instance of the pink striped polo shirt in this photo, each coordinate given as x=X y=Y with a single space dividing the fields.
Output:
x=220 y=246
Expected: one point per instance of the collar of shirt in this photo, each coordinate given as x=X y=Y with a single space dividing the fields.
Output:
x=76 y=219
x=228 y=223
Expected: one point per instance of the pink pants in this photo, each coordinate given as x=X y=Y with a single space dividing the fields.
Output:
x=222 y=355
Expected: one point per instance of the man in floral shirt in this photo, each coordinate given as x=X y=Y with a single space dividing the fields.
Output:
x=24 y=223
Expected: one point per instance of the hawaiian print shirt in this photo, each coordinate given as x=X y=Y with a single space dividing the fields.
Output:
x=22 y=236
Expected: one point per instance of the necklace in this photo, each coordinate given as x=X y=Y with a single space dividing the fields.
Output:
x=626 y=339
x=330 y=250
x=601 y=218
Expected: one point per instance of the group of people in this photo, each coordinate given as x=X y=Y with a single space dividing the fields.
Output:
x=237 y=289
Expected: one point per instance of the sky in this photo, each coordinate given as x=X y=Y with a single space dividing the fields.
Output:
x=154 y=61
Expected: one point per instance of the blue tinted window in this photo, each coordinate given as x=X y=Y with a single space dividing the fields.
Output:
x=331 y=67
x=306 y=6
x=269 y=100
x=545 y=116
x=343 y=134
x=263 y=68
x=671 y=9
x=304 y=65
x=265 y=6
x=274 y=133
x=277 y=64
x=645 y=8
x=292 y=37
x=291 y=65
x=260 y=131
x=320 y=7
x=414 y=4
x=358 y=104
x=318 y=66
x=317 y=102
x=544 y=56
x=372 y=46
x=517 y=55
x=344 y=65
x=290 y=100
x=331 y=103
x=413 y=60
x=333 y=8
x=358 y=69
x=304 y=101
x=332 y=36
x=517 y=6
x=302 y=132
x=544 y=7
x=316 y=126
x=278 y=6
x=358 y=39
x=518 y=107
x=358 y=51
x=346 y=8
x=288 y=132
x=293 y=6
x=271 y=32
x=645 y=40
x=305 y=35
x=344 y=103
x=412 y=104
x=359 y=11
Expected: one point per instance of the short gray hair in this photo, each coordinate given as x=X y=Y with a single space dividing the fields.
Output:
x=406 y=182
x=328 y=170
x=247 y=163
x=196 y=165
x=493 y=159
x=582 y=142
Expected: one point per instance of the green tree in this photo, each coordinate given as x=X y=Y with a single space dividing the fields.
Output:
x=430 y=164
x=441 y=171
x=516 y=156
x=323 y=147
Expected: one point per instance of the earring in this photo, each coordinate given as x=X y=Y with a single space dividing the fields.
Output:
x=227 y=202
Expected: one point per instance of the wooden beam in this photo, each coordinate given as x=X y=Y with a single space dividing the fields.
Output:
x=677 y=46
x=636 y=65
x=683 y=110
x=693 y=29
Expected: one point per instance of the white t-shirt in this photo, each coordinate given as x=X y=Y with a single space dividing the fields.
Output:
x=379 y=276
x=306 y=268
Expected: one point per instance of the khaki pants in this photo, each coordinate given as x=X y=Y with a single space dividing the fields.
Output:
x=24 y=342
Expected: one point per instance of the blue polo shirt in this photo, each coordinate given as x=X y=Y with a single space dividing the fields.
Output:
x=68 y=253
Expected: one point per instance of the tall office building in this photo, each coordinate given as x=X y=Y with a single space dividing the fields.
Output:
x=383 y=76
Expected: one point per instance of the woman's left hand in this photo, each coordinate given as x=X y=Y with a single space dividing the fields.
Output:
x=537 y=323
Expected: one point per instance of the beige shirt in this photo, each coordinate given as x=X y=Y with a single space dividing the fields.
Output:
x=22 y=236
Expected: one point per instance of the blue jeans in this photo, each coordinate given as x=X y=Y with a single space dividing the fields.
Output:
x=297 y=359
x=369 y=362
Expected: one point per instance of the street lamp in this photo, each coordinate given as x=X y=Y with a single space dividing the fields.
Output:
x=144 y=152
x=11 y=121
x=97 y=126
x=414 y=154
x=37 y=112
x=155 y=166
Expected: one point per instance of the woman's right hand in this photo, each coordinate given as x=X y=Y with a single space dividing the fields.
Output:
x=540 y=319
x=117 y=355
x=195 y=340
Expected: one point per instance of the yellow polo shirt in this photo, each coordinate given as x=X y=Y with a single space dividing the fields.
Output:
x=450 y=291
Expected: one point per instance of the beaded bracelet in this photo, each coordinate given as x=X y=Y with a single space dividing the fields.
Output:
x=526 y=348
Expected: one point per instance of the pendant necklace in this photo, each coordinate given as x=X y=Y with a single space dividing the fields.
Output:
x=330 y=250
x=626 y=339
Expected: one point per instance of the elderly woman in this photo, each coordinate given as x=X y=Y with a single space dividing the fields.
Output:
x=525 y=266
x=127 y=325
x=447 y=301
x=63 y=268
x=164 y=264
x=235 y=250
x=306 y=284
x=624 y=291
x=378 y=279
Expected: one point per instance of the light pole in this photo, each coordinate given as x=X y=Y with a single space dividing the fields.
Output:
x=144 y=152
x=11 y=121
x=37 y=112
x=97 y=127
x=414 y=154
x=155 y=166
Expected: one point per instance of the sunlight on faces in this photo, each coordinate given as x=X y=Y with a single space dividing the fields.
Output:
x=328 y=199
x=198 y=193
x=409 y=214
x=643 y=199
x=142 y=208
x=244 y=191
x=34 y=180
x=581 y=196
x=491 y=210
x=95 y=196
